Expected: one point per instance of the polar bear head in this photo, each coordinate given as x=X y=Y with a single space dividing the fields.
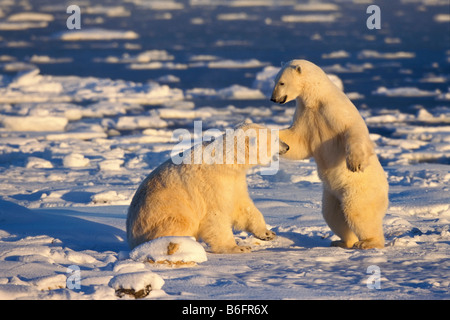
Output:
x=256 y=144
x=295 y=78
x=245 y=146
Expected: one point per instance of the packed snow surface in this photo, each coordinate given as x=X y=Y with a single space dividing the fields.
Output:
x=173 y=249
x=86 y=115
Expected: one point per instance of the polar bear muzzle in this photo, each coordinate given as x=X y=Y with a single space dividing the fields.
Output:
x=283 y=148
x=281 y=100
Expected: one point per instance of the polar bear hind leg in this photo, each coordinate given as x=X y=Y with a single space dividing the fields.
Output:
x=336 y=220
x=365 y=218
x=174 y=225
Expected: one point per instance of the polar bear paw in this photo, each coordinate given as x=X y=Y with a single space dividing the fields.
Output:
x=341 y=244
x=357 y=162
x=240 y=249
x=267 y=235
x=233 y=249
x=368 y=244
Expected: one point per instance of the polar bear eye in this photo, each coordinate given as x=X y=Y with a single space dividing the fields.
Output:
x=281 y=83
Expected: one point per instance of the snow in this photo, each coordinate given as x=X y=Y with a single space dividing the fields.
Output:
x=110 y=11
x=33 y=123
x=75 y=160
x=309 y=18
x=336 y=55
x=31 y=86
x=22 y=25
x=405 y=92
x=75 y=218
x=95 y=34
x=233 y=16
x=372 y=54
x=137 y=281
x=160 y=4
x=143 y=57
x=185 y=249
x=46 y=59
x=80 y=132
x=240 y=93
x=139 y=122
x=442 y=17
x=316 y=7
x=252 y=63
x=30 y=16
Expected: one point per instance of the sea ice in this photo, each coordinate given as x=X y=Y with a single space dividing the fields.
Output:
x=95 y=34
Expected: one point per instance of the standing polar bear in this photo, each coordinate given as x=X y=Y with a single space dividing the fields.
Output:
x=206 y=200
x=328 y=127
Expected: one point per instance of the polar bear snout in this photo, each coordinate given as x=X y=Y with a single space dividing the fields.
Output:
x=280 y=100
x=283 y=148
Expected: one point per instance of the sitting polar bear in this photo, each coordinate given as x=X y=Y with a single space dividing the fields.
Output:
x=205 y=200
x=328 y=127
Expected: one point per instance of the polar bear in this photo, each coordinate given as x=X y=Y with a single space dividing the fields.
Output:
x=206 y=200
x=328 y=127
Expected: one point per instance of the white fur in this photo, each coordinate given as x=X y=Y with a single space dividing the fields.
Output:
x=328 y=127
x=205 y=201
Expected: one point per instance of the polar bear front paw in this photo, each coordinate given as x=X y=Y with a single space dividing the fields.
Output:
x=341 y=244
x=357 y=162
x=369 y=244
x=240 y=249
x=266 y=236
x=234 y=249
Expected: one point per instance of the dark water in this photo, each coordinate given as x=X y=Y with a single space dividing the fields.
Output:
x=408 y=27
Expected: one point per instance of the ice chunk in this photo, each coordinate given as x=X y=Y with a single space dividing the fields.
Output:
x=160 y=5
x=33 y=123
x=308 y=18
x=139 y=284
x=22 y=25
x=336 y=55
x=442 y=17
x=237 y=92
x=75 y=160
x=405 y=92
x=232 y=64
x=47 y=59
x=110 y=197
x=30 y=16
x=38 y=163
x=95 y=34
x=312 y=6
x=139 y=122
x=110 y=11
x=111 y=165
x=372 y=54
x=50 y=282
x=172 y=113
x=27 y=77
x=172 y=249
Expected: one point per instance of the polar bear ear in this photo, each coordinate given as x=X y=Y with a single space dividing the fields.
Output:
x=282 y=64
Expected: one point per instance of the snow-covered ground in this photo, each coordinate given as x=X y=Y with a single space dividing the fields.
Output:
x=74 y=148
